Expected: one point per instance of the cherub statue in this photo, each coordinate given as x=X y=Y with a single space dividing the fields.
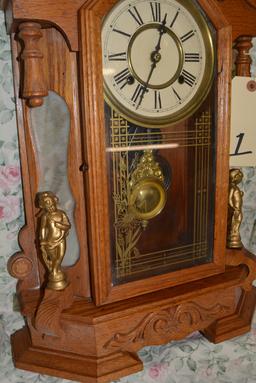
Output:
x=235 y=215
x=53 y=230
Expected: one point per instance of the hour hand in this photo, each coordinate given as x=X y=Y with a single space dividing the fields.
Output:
x=155 y=58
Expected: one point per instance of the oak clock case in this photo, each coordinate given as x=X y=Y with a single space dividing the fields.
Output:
x=143 y=162
x=158 y=70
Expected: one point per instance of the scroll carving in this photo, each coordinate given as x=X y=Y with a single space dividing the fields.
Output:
x=47 y=320
x=243 y=60
x=33 y=87
x=167 y=323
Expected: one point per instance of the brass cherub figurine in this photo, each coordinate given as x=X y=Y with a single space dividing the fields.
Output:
x=53 y=230
x=235 y=215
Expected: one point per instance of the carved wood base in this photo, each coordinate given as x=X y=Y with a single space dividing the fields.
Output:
x=99 y=344
x=236 y=324
x=69 y=366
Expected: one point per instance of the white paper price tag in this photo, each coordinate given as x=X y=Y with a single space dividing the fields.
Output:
x=243 y=123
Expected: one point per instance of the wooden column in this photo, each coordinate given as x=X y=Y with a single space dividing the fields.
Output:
x=243 y=61
x=33 y=86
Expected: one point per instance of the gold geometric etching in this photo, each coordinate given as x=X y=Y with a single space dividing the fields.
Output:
x=201 y=184
x=127 y=228
x=130 y=168
x=139 y=195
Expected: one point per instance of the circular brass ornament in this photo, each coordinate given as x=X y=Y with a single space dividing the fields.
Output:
x=148 y=198
x=157 y=57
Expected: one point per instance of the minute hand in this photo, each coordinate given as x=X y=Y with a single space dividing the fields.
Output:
x=154 y=59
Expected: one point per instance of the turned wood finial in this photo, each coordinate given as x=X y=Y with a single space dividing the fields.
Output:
x=243 y=61
x=34 y=85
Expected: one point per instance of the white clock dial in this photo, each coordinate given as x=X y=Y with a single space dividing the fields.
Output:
x=157 y=59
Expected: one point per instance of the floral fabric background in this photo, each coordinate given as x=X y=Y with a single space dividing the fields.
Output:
x=193 y=360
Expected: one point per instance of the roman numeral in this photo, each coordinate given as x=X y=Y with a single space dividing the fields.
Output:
x=121 y=32
x=174 y=19
x=192 y=57
x=117 y=56
x=158 y=102
x=189 y=78
x=139 y=91
x=176 y=94
x=156 y=11
x=135 y=14
x=187 y=36
x=121 y=77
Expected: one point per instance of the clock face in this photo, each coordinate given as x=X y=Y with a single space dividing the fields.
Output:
x=157 y=60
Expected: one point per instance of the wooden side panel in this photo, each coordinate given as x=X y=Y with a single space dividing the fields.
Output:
x=27 y=234
x=61 y=77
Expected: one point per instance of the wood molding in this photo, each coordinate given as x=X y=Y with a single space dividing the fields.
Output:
x=3 y=4
x=236 y=324
x=61 y=14
x=241 y=16
x=243 y=257
x=65 y=365
x=252 y=3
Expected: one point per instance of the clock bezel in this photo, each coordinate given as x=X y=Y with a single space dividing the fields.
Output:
x=197 y=99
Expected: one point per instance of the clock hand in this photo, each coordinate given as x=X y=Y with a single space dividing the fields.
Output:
x=155 y=57
x=162 y=31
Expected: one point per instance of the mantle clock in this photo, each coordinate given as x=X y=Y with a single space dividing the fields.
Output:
x=123 y=111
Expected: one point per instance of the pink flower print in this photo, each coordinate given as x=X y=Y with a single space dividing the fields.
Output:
x=156 y=370
x=209 y=371
x=206 y=372
x=9 y=178
x=9 y=208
